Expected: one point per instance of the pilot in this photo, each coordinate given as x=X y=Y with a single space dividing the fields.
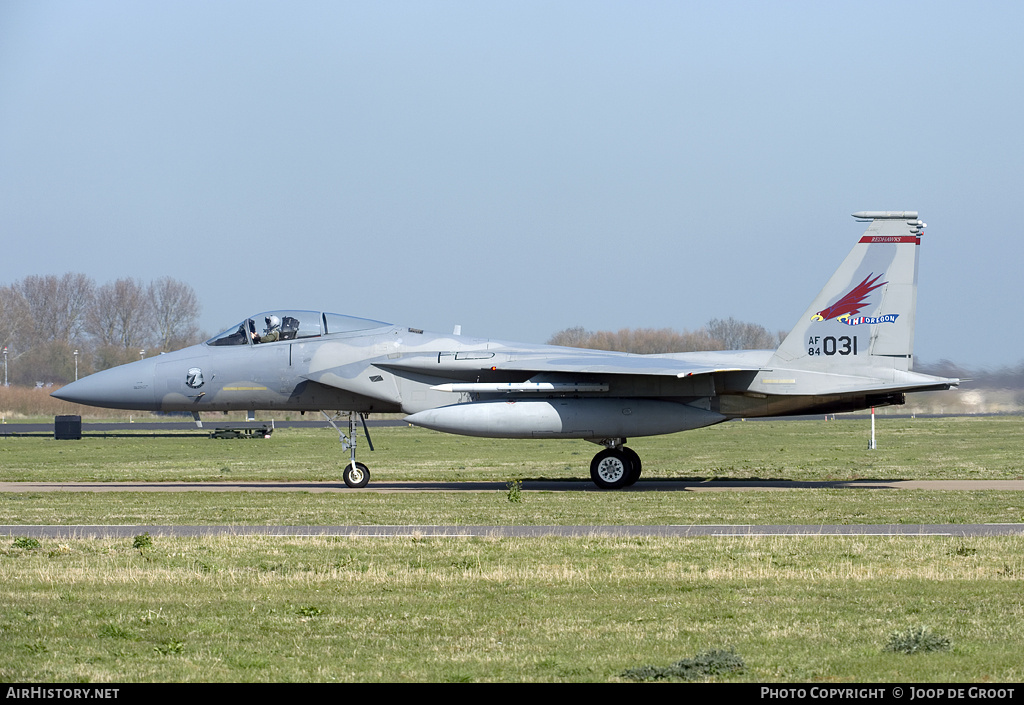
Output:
x=272 y=332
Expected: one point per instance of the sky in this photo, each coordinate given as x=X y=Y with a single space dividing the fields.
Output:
x=517 y=168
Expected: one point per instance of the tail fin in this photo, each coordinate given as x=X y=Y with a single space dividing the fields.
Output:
x=864 y=317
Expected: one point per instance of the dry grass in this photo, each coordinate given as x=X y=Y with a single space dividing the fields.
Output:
x=21 y=403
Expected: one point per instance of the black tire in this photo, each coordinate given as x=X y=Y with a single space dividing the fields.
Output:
x=356 y=477
x=634 y=458
x=611 y=469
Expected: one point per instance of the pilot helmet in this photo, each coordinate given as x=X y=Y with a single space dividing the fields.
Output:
x=273 y=322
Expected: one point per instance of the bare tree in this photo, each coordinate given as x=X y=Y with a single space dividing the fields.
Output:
x=650 y=341
x=729 y=334
x=101 y=319
x=636 y=340
x=46 y=362
x=57 y=305
x=44 y=316
x=175 y=309
x=575 y=337
x=15 y=320
x=121 y=315
x=740 y=335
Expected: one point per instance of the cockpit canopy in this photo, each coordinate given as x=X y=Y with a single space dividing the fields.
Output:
x=272 y=326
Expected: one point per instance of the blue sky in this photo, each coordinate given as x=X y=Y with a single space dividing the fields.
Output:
x=518 y=167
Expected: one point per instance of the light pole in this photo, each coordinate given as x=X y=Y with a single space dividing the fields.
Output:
x=76 y=365
x=5 y=367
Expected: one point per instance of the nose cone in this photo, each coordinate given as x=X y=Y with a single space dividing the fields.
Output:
x=124 y=387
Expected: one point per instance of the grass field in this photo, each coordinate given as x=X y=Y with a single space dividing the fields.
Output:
x=795 y=609
x=810 y=506
x=920 y=449
x=588 y=609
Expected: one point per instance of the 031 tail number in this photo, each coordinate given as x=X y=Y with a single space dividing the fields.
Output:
x=844 y=345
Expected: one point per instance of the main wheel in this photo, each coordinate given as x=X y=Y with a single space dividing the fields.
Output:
x=611 y=469
x=634 y=458
x=356 y=476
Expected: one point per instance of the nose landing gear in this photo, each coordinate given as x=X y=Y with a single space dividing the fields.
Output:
x=355 y=474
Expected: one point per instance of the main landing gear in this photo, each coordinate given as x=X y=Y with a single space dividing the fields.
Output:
x=355 y=473
x=616 y=466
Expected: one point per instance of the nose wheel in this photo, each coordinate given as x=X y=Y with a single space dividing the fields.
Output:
x=356 y=475
x=615 y=467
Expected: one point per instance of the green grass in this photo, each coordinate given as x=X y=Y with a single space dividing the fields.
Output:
x=805 y=506
x=804 y=609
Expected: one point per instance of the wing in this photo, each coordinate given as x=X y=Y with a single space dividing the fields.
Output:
x=563 y=370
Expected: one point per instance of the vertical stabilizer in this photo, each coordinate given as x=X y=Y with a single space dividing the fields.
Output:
x=864 y=317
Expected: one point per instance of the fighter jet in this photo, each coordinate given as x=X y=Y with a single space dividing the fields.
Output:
x=851 y=349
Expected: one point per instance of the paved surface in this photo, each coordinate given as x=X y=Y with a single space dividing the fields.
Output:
x=682 y=485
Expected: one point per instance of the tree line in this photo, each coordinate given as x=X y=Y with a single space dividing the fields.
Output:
x=716 y=334
x=44 y=319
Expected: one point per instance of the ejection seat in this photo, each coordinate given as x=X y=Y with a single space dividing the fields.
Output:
x=289 y=327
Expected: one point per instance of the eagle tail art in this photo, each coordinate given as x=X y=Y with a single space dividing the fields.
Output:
x=851 y=303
